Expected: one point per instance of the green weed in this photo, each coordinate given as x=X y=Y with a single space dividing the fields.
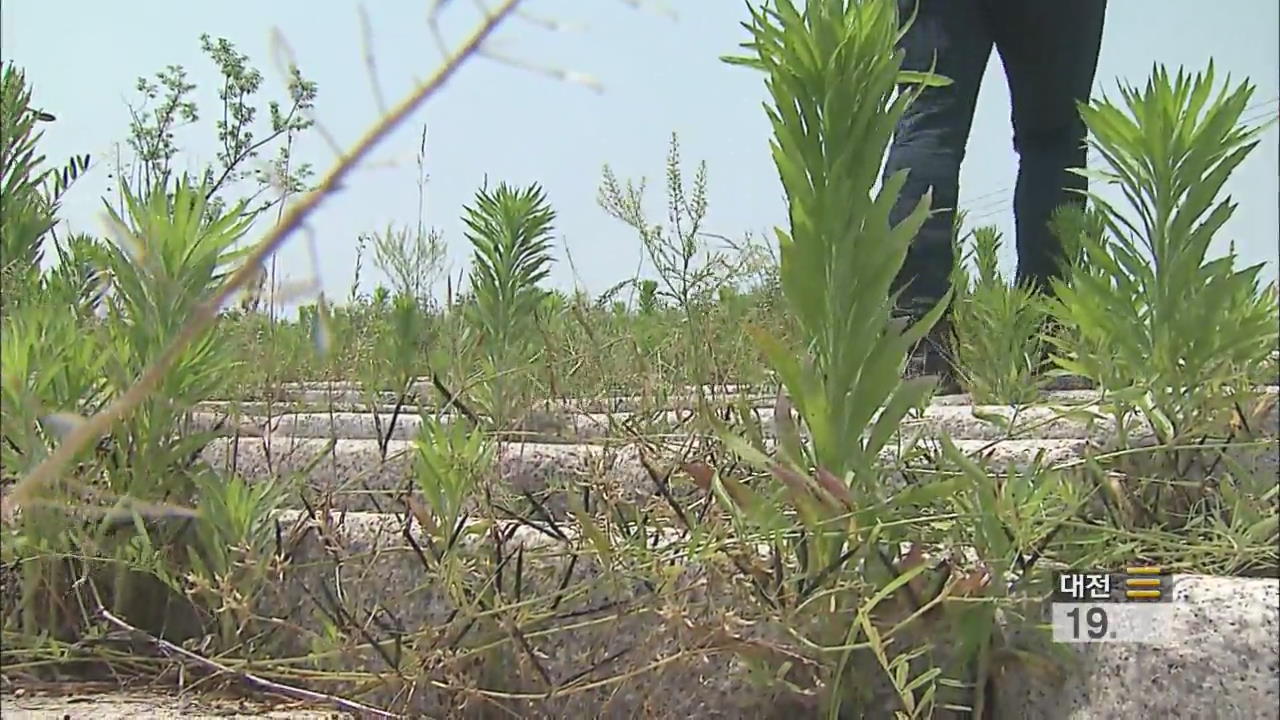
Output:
x=510 y=234
x=999 y=350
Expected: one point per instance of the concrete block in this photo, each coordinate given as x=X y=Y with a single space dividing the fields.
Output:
x=1222 y=663
x=356 y=477
x=574 y=640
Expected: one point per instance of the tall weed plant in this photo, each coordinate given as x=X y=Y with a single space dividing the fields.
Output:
x=170 y=253
x=686 y=270
x=692 y=275
x=1174 y=334
x=998 y=325
x=834 y=77
x=837 y=90
x=509 y=230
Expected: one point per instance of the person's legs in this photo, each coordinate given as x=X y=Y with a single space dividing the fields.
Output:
x=1049 y=49
x=952 y=37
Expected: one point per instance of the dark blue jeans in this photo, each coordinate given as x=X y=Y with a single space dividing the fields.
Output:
x=1049 y=49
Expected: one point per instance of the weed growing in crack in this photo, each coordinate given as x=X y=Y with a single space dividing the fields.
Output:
x=170 y=252
x=510 y=234
x=127 y=299
x=450 y=461
x=1176 y=338
x=1180 y=331
x=833 y=76
x=691 y=274
x=999 y=350
x=235 y=551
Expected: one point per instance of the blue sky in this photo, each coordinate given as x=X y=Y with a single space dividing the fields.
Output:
x=660 y=74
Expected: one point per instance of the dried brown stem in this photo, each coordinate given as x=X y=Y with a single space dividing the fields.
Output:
x=270 y=686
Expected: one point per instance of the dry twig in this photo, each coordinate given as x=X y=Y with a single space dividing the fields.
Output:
x=270 y=686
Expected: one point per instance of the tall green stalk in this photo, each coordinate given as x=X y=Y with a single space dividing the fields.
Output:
x=1175 y=332
x=838 y=89
x=998 y=328
x=510 y=234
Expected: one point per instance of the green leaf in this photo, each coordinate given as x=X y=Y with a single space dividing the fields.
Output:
x=598 y=539
x=910 y=77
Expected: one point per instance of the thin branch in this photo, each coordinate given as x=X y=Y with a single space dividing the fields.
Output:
x=270 y=686
x=242 y=155
x=370 y=61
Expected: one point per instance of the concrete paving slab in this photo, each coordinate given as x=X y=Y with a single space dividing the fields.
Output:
x=1220 y=661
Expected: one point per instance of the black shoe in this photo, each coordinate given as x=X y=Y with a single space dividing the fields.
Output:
x=934 y=356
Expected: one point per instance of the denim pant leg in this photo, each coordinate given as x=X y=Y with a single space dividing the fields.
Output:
x=1049 y=50
x=952 y=37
